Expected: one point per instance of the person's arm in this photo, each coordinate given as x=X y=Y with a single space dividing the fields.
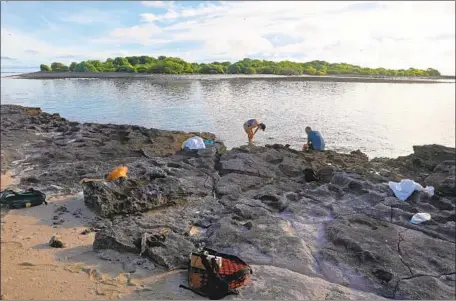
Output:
x=306 y=145
x=257 y=125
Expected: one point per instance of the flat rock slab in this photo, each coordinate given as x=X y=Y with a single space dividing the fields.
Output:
x=386 y=255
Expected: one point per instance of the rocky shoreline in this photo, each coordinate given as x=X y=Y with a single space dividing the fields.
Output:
x=345 y=235
x=167 y=77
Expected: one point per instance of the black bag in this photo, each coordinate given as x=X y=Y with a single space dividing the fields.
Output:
x=215 y=280
x=310 y=175
x=17 y=200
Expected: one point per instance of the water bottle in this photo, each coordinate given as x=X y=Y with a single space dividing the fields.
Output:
x=419 y=218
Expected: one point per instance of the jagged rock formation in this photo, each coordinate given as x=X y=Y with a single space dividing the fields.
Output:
x=346 y=232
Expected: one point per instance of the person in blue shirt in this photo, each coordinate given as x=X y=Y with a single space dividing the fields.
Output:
x=314 y=140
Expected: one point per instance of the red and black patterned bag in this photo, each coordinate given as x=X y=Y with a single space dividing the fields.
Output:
x=215 y=275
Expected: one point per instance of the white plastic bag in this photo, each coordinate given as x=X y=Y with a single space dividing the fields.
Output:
x=420 y=217
x=429 y=190
x=194 y=143
x=406 y=187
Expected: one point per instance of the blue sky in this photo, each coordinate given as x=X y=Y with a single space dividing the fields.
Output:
x=367 y=33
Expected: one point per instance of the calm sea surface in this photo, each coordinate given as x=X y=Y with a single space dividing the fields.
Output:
x=377 y=118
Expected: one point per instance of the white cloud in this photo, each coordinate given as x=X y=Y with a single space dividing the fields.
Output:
x=373 y=34
x=158 y=4
x=140 y=34
x=27 y=50
x=30 y=50
x=145 y=35
x=7 y=58
x=396 y=35
x=148 y=17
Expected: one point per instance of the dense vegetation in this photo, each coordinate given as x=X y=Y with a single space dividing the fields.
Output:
x=171 y=65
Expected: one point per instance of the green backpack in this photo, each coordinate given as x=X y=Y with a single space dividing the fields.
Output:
x=17 y=200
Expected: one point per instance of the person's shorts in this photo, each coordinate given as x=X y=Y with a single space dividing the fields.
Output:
x=246 y=128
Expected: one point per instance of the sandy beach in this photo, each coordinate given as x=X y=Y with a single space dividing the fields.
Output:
x=6 y=180
x=31 y=269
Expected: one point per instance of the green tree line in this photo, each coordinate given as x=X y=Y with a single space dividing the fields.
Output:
x=172 y=65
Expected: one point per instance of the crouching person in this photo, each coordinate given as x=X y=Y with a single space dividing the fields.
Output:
x=314 y=141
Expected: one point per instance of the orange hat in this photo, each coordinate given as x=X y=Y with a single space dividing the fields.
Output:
x=120 y=172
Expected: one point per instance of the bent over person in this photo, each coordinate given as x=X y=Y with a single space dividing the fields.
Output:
x=251 y=124
x=314 y=140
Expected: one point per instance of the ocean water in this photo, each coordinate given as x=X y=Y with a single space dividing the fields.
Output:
x=379 y=119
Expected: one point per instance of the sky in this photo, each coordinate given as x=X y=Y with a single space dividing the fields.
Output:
x=367 y=33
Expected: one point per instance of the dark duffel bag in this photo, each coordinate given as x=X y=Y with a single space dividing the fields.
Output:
x=17 y=200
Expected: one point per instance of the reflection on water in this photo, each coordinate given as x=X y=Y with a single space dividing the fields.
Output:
x=377 y=118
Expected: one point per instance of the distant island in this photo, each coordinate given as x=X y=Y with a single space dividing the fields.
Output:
x=172 y=65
